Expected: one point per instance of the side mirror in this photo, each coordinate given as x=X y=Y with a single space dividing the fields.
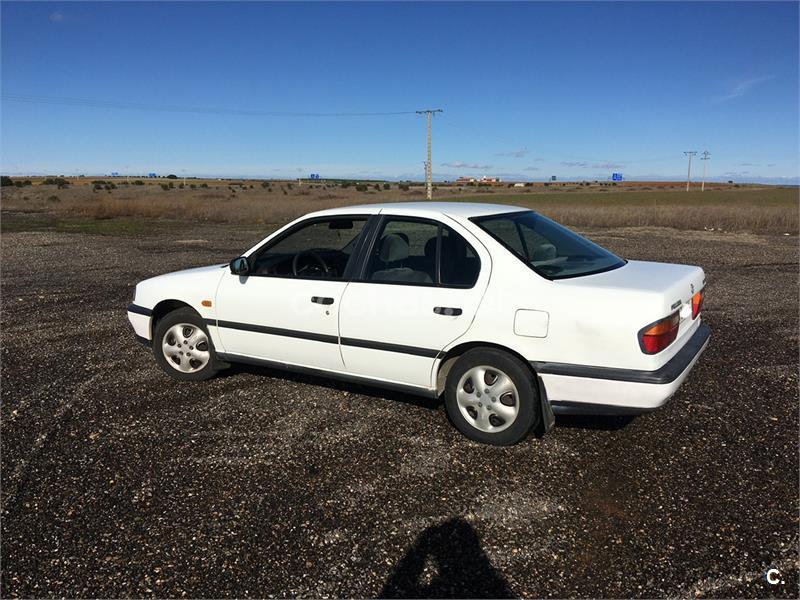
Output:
x=240 y=266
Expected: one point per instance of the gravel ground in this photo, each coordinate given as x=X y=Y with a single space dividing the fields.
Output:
x=118 y=481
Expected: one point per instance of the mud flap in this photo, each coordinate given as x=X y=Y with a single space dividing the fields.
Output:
x=548 y=418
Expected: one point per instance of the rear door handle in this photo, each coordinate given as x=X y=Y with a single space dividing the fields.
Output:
x=447 y=311
x=321 y=300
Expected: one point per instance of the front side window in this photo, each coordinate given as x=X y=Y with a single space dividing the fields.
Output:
x=421 y=252
x=548 y=248
x=320 y=250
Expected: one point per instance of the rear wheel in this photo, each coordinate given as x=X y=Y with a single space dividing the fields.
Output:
x=491 y=397
x=182 y=346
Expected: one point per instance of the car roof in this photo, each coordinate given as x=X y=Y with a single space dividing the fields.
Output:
x=453 y=209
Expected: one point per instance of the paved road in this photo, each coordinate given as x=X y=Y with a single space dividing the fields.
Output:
x=117 y=481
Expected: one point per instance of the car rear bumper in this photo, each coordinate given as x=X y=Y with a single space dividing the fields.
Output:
x=579 y=389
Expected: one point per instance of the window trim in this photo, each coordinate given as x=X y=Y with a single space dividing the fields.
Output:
x=351 y=262
x=477 y=221
x=379 y=224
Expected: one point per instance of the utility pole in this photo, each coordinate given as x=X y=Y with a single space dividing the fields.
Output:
x=690 y=154
x=704 y=158
x=429 y=164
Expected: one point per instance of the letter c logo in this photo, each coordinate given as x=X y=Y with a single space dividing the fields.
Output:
x=773 y=577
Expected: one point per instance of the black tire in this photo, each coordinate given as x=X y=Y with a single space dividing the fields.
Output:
x=527 y=403
x=168 y=322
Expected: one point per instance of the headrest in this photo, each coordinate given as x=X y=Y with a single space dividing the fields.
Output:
x=544 y=252
x=393 y=248
x=430 y=248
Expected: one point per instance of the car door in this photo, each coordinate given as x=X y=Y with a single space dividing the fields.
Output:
x=286 y=308
x=418 y=291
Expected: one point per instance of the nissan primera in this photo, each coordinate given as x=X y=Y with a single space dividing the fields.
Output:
x=508 y=315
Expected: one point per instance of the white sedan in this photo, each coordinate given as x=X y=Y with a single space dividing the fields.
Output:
x=509 y=315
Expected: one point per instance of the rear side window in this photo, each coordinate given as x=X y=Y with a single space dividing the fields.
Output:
x=546 y=247
x=421 y=252
x=459 y=264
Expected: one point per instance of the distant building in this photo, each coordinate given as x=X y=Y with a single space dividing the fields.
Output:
x=519 y=185
x=465 y=180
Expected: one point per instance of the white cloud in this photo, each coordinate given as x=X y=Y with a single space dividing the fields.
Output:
x=463 y=165
x=515 y=153
x=743 y=87
x=56 y=17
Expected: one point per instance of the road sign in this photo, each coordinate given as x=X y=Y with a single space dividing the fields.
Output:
x=616 y=177
x=314 y=176
x=552 y=178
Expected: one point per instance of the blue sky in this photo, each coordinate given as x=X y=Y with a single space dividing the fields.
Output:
x=529 y=90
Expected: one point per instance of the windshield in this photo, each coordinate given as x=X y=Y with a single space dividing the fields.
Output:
x=548 y=248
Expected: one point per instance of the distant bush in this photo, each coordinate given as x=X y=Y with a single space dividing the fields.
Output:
x=27 y=182
x=6 y=181
x=204 y=185
x=192 y=186
x=53 y=198
x=97 y=187
x=404 y=186
x=377 y=187
x=165 y=187
x=361 y=187
x=138 y=182
x=386 y=186
x=171 y=185
x=265 y=184
x=18 y=184
x=172 y=176
x=99 y=182
x=59 y=181
x=345 y=184
x=289 y=185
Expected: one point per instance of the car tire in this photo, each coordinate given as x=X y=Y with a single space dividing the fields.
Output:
x=183 y=347
x=502 y=409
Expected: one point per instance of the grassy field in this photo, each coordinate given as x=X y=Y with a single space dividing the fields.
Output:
x=757 y=209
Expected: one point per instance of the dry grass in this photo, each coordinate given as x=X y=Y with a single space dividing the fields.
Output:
x=754 y=209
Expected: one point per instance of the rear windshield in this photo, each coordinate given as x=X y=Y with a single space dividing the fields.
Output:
x=551 y=250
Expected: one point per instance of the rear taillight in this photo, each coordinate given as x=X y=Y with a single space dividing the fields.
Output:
x=697 y=304
x=657 y=336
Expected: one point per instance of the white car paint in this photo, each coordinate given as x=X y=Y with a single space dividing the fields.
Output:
x=387 y=333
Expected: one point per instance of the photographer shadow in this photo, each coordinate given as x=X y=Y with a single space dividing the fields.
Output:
x=446 y=561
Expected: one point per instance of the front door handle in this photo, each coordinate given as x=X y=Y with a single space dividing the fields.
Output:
x=321 y=300
x=447 y=311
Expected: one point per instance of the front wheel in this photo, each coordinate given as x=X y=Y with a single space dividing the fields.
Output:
x=492 y=397
x=183 y=348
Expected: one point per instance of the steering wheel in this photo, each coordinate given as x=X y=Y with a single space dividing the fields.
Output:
x=317 y=258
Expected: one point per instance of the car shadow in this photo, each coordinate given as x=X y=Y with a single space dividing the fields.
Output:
x=446 y=561
x=334 y=384
x=595 y=422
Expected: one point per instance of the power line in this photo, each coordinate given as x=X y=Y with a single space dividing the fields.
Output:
x=429 y=165
x=690 y=154
x=117 y=105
